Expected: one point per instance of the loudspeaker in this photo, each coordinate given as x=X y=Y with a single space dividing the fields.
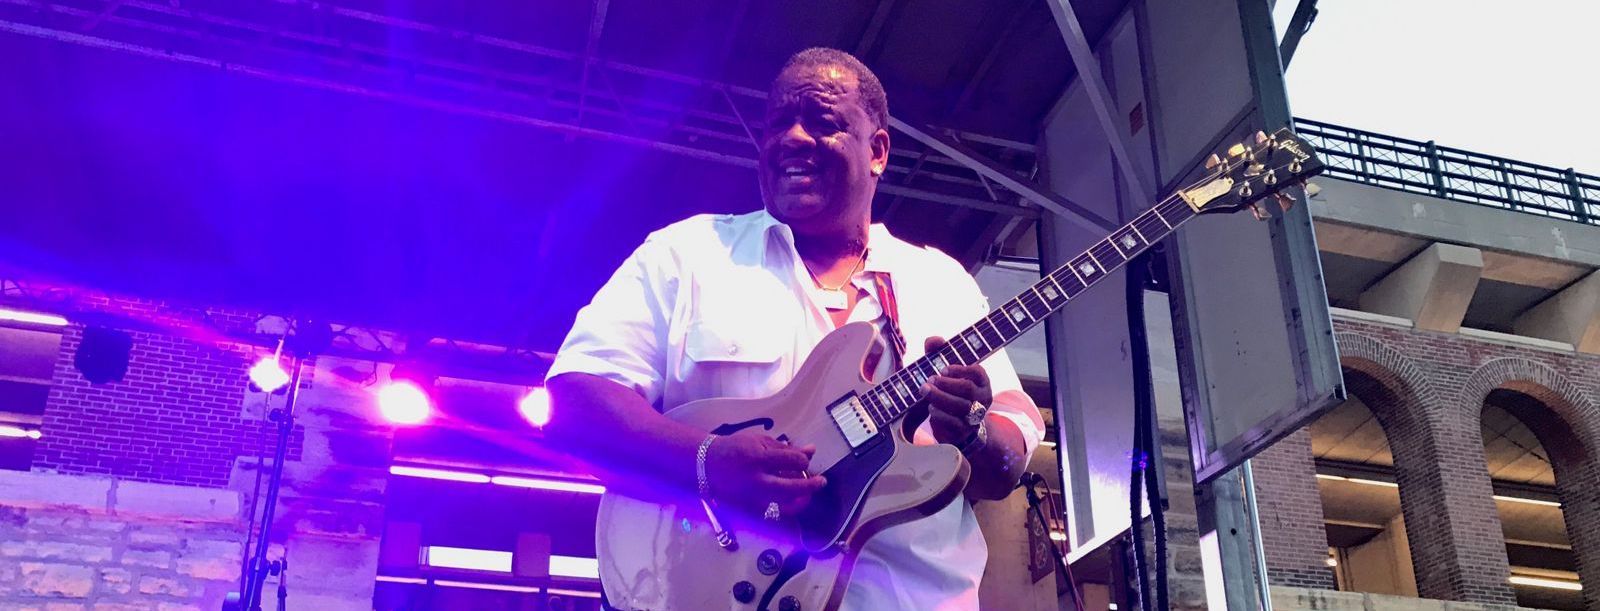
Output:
x=102 y=356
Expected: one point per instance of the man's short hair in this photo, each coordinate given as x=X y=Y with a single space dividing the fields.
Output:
x=873 y=98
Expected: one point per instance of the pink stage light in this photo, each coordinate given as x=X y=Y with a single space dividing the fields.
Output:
x=535 y=406
x=403 y=402
x=548 y=484
x=268 y=375
x=37 y=318
x=444 y=474
x=7 y=430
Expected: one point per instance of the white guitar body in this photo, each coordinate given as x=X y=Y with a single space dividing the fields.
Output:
x=664 y=554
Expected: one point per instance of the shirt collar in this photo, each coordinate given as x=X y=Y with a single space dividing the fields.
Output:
x=884 y=250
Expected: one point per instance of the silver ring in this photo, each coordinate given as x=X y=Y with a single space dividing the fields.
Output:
x=772 y=511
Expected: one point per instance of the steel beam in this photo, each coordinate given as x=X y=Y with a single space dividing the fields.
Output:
x=1299 y=24
x=1037 y=194
x=1094 y=84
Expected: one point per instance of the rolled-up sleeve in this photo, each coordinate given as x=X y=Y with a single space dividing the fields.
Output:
x=621 y=335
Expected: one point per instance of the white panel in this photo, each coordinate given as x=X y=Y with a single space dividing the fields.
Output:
x=1200 y=80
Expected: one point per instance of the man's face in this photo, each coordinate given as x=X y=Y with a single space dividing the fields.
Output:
x=820 y=151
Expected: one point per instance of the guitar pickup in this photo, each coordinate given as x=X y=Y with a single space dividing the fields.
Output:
x=853 y=421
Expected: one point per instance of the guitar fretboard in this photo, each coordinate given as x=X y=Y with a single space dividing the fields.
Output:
x=891 y=398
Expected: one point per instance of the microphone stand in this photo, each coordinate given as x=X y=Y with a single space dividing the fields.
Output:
x=1029 y=481
x=249 y=598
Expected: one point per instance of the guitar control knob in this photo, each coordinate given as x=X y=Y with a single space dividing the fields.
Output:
x=769 y=562
x=789 y=603
x=744 y=591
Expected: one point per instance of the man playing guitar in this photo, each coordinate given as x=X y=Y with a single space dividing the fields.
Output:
x=731 y=305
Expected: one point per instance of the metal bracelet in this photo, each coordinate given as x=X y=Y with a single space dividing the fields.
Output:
x=701 y=481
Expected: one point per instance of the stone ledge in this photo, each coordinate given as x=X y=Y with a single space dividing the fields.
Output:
x=1516 y=340
x=1382 y=319
x=1308 y=599
x=55 y=491
x=104 y=495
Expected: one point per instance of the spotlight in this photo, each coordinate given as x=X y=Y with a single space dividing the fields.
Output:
x=404 y=402
x=102 y=355
x=7 y=430
x=268 y=375
x=535 y=406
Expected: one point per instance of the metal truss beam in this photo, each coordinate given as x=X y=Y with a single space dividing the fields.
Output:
x=337 y=48
x=1034 y=193
x=1094 y=83
x=1299 y=24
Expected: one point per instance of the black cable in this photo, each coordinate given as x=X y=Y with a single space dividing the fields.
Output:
x=1144 y=434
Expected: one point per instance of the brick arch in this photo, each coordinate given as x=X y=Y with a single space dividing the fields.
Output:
x=1392 y=385
x=1538 y=380
x=1557 y=418
x=1445 y=493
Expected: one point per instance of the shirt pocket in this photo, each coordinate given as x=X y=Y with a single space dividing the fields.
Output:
x=733 y=357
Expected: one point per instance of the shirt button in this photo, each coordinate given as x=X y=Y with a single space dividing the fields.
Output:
x=733 y=348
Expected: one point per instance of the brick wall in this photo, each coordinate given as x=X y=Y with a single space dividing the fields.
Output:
x=1427 y=390
x=179 y=414
x=1290 y=510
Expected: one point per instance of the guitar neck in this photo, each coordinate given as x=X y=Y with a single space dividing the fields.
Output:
x=891 y=398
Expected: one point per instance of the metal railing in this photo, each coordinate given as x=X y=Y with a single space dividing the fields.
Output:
x=1430 y=169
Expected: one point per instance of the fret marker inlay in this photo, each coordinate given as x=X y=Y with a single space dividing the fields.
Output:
x=1050 y=293
x=1017 y=314
x=1087 y=269
x=1127 y=240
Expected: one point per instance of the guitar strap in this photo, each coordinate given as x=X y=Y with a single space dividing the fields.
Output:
x=891 y=309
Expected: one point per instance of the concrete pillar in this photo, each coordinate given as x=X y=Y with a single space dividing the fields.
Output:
x=1432 y=288
x=1571 y=316
x=1290 y=506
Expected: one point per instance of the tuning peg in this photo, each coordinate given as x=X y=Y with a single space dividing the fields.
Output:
x=1312 y=190
x=1213 y=161
x=1271 y=178
x=1254 y=169
x=1237 y=150
x=1261 y=137
x=1295 y=167
x=1244 y=189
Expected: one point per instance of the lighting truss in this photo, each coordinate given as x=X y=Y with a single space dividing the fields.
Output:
x=335 y=47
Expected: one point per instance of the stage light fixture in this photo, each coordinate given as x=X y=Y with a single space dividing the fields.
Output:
x=406 y=399
x=268 y=375
x=33 y=318
x=7 y=430
x=535 y=406
x=404 y=402
x=102 y=355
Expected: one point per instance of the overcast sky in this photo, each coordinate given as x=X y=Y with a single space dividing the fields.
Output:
x=1519 y=80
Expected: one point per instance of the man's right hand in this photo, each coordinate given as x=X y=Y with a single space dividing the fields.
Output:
x=751 y=471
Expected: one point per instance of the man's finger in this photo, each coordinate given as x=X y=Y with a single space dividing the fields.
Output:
x=975 y=373
x=932 y=344
x=785 y=488
x=946 y=403
x=786 y=459
x=965 y=391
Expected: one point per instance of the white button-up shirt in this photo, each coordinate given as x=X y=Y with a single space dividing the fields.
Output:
x=722 y=306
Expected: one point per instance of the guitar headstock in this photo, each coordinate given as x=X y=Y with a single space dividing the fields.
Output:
x=1260 y=169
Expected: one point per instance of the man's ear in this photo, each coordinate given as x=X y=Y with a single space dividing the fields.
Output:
x=880 y=152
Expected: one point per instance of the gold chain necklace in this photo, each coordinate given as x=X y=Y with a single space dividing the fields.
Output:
x=833 y=297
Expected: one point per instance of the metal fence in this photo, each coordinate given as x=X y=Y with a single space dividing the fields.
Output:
x=1424 y=167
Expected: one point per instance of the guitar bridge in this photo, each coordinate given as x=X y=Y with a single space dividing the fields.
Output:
x=853 y=421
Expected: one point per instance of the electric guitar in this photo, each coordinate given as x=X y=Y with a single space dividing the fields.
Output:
x=686 y=554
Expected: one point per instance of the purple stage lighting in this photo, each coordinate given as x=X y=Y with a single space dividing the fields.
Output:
x=535 y=406
x=268 y=375
x=403 y=402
